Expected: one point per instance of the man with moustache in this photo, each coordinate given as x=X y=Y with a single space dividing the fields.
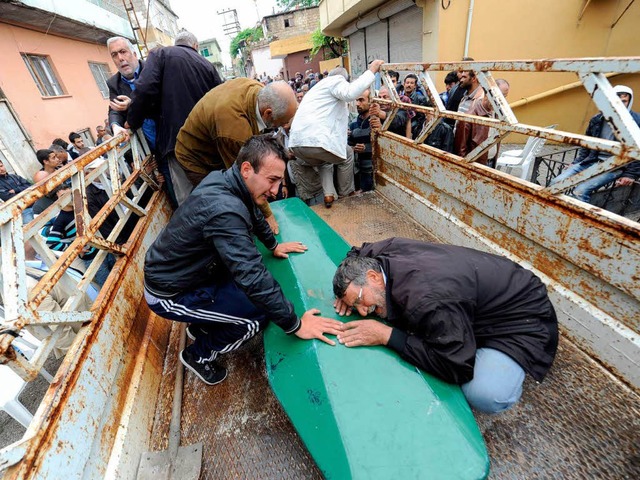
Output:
x=468 y=317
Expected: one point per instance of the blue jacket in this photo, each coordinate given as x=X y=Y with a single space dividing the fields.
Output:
x=13 y=182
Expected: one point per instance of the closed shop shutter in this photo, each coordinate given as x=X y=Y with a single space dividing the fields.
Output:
x=377 y=42
x=405 y=36
x=357 y=55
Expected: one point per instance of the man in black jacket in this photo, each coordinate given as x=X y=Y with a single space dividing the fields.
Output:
x=204 y=268
x=173 y=81
x=10 y=186
x=468 y=317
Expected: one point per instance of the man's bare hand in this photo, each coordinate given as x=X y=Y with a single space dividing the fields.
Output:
x=359 y=147
x=117 y=129
x=376 y=111
x=120 y=103
x=361 y=333
x=273 y=223
x=283 y=249
x=315 y=327
x=375 y=65
x=624 y=181
x=375 y=123
x=342 y=308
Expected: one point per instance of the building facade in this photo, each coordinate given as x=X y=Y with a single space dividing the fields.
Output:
x=54 y=69
x=159 y=20
x=210 y=50
x=435 y=31
x=289 y=35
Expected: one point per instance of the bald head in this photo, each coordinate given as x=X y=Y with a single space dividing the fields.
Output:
x=277 y=104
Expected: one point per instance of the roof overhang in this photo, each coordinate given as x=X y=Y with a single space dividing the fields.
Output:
x=336 y=16
x=94 y=24
x=282 y=48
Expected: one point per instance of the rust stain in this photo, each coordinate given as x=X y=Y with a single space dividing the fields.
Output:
x=57 y=398
x=543 y=65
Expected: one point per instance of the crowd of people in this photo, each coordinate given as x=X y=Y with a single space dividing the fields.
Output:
x=226 y=149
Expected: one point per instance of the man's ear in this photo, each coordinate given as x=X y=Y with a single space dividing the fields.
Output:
x=268 y=112
x=245 y=170
x=374 y=277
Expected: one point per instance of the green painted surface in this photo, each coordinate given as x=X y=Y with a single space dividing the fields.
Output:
x=362 y=412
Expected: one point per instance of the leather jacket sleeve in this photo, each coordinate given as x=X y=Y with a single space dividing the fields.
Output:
x=447 y=347
x=115 y=117
x=231 y=237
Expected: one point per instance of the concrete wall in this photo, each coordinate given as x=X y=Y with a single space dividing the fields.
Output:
x=295 y=63
x=49 y=117
x=305 y=20
x=263 y=63
x=549 y=29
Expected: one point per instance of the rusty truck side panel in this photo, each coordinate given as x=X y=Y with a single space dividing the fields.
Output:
x=98 y=415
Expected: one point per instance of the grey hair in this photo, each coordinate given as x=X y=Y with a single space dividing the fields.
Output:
x=186 y=38
x=125 y=40
x=56 y=148
x=269 y=97
x=353 y=270
x=502 y=81
x=339 y=71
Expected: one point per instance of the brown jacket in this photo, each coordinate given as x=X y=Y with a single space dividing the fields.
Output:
x=469 y=135
x=218 y=126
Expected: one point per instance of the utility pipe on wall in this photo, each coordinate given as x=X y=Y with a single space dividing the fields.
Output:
x=551 y=92
x=466 y=39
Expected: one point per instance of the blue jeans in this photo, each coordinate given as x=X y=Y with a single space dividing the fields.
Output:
x=27 y=215
x=584 y=190
x=224 y=315
x=497 y=382
x=104 y=270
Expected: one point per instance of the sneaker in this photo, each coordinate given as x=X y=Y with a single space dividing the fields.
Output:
x=192 y=330
x=209 y=372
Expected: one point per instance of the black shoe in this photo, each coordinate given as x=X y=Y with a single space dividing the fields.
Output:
x=193 y=330
x=209 y=372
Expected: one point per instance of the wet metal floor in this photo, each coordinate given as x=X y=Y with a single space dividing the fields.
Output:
x=579 y=423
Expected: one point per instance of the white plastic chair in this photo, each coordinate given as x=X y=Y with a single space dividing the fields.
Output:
x=520 y=162
x=12 y=386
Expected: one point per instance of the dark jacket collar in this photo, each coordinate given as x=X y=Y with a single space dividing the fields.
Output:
x=392 y=310
x=239 y=188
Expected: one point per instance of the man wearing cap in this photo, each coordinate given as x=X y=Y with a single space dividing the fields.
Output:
x=599 y=127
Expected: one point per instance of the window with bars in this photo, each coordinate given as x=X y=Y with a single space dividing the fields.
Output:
x=101 y=74
x=44 y=75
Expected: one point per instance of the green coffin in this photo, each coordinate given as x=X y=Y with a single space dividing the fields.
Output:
x=362 y=412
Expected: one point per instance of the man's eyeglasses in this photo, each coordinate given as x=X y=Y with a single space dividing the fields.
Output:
x=356 y=302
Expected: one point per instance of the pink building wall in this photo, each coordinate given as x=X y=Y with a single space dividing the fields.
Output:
x=49 y=117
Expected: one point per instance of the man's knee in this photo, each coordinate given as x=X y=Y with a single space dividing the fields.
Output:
x=486 y=398
x=496 y=384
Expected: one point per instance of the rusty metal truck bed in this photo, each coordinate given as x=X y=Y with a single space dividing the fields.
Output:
x=579 y=423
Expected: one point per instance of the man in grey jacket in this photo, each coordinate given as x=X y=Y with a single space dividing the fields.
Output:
x=205 y=268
